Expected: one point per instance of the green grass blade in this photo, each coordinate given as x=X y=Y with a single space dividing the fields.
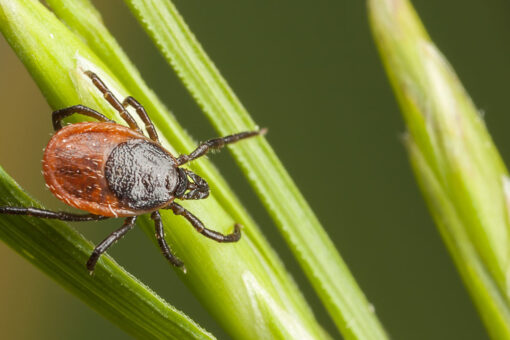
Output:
x=312 y=247
x=61 y=252
x=455 y=161
x=243 y=285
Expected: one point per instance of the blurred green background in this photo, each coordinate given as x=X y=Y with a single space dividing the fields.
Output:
x=310 y=72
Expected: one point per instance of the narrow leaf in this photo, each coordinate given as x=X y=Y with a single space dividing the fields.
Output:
x=307 y=239
x=455 y=161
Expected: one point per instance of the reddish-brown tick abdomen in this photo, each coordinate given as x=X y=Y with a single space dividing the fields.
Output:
x=74 y=166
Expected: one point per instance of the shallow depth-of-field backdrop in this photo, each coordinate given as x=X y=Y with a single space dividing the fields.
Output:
x=309 y=72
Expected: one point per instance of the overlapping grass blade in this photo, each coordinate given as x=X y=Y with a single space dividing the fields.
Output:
x=309 y=242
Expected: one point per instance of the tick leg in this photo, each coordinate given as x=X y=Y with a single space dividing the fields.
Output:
x=58 y=115
x=109 y=96
x=160 y=236
x=151 y=130
x=198 y=225
x=129 y=223
x=58 y=215
x=217 y=143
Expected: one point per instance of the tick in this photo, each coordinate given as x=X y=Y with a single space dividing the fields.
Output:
x=110 y=171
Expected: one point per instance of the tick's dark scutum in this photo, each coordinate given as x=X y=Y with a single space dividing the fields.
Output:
x=141 y=174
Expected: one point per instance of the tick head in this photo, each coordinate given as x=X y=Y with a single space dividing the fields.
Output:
x=191 y=186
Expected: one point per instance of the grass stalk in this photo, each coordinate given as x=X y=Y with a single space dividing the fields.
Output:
x=456 y=163
x=312 y=247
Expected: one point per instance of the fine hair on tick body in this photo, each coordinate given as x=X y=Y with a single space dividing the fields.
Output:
x=110 y=170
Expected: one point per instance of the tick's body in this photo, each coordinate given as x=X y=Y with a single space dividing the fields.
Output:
x=110 y=170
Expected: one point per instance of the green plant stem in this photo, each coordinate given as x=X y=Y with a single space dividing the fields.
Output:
x=307 y=239
x=458 y=168
x=243 y=285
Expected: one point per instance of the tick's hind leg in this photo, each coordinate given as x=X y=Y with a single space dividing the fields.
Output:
x=129 y=223
x=109 y=96
x=151 y=130
x=58 y=115
x=160 y=236
x=57 y=215
x=199 y=226
x=217 y=143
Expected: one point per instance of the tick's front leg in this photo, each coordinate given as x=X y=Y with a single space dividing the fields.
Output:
x=217 y=143
x=199 y=226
